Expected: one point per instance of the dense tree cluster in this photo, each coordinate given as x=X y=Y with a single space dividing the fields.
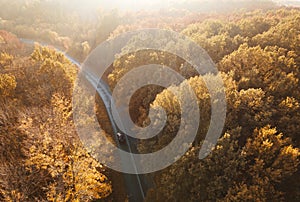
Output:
x=258 y=57
x=252 y=161
x=41 y=156
x=257 y=54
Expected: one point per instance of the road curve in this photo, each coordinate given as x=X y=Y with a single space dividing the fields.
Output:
x=135 y=184
x=135 y=189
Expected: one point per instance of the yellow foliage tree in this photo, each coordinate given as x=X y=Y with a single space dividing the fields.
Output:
x=76 y=175
x=7 y=85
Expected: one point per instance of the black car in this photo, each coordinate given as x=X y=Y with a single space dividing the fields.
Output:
x=121 y=137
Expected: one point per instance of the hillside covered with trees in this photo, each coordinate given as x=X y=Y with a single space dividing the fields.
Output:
x=256 y=50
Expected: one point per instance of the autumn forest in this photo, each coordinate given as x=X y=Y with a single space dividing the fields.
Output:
x=255 y=46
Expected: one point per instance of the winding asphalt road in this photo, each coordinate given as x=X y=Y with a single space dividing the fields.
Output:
x=136 y=185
